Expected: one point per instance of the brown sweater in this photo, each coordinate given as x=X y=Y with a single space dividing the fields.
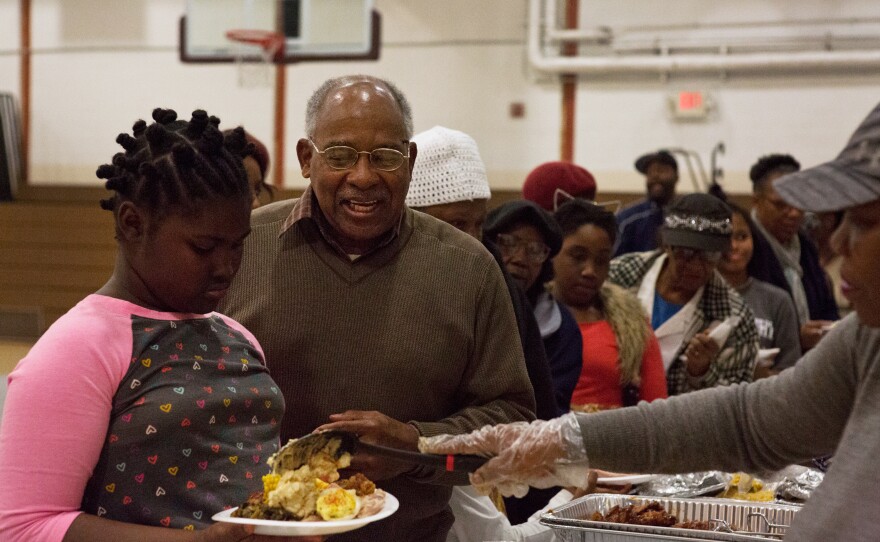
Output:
x=421 y=330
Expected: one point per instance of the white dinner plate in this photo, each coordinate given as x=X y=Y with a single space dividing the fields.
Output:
x=626 y=479
x=309 y=528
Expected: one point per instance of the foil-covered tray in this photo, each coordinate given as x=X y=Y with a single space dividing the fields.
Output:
x=572 y=521
x=792 y=485
x=694 y=484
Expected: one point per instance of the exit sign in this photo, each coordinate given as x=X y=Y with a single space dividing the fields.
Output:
x=690 y=105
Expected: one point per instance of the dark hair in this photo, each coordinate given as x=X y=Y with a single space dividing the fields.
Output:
x=772 y=163
x=575 y=213
x=257 y=150
x=761 y=251
x=173 y=163
x=259 y=153
x=737 y=210
x=313 y=107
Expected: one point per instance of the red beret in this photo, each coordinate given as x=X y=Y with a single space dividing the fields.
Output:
x=543 y=182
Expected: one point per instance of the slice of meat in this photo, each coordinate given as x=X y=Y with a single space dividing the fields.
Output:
x=371 y=504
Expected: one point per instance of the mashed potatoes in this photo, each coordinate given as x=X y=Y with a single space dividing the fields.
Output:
x=297 y=490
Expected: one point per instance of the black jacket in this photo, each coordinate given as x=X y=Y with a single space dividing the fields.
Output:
x=532 y=344
x=765 y=266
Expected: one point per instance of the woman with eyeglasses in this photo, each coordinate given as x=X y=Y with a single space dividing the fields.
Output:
x=621 y=362
x=527 y=238
x=686 y=298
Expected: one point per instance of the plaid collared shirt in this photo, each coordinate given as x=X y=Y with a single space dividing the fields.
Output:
x=736 y=360
x=306 y=207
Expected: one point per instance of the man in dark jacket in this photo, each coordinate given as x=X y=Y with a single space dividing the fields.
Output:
x=784 y=255
x=639 y=224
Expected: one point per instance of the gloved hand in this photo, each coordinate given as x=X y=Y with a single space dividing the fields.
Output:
x=540 y=454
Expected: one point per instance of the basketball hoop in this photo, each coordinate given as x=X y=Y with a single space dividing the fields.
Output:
x=256 y=51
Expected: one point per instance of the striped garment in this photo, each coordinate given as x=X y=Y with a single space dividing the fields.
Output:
x=736 y=361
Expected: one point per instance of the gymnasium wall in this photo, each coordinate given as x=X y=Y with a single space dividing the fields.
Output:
x=99 y=65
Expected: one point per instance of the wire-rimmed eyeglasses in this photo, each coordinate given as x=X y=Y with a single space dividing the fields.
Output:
x=535 y=251
x=343 y=157
x=687 y=254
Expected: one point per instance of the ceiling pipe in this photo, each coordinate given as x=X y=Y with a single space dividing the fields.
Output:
x=654 y=64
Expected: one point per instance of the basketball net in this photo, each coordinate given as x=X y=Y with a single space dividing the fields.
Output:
x=255 y=53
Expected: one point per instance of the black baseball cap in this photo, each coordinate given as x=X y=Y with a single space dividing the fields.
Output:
x=663 y=156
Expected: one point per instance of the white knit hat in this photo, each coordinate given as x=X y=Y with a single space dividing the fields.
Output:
x=448 y=168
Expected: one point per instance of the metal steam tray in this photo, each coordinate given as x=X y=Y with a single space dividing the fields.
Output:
x=570 y=521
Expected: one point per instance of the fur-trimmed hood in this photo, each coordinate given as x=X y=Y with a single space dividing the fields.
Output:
x=628 y=320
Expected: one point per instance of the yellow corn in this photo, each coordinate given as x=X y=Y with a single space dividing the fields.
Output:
x=270 y=482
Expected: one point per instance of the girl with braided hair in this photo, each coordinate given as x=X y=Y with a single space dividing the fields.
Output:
x=142 y=412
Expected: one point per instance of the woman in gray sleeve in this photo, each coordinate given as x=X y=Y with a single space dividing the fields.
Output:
x=828 y=403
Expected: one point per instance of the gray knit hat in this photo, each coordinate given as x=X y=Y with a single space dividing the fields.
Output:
x=448 y=169
x=851 y=179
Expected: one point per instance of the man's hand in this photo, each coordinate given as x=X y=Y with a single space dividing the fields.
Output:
x=813 y=331
x=376 y=428
x=578 y=492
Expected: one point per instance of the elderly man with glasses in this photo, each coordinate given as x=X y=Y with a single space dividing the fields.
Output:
x=687 y=299
x=376 y=319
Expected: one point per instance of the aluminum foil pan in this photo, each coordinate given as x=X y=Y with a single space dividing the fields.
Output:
x=799 y=486
x=569 y=520
x=694 y=484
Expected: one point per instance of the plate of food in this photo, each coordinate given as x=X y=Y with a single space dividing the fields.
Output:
x=303 y=495
x=309 y=528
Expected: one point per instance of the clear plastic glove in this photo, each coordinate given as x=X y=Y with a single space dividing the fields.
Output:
x=540 y=454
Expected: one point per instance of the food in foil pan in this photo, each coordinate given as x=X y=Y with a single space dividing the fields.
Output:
x=792 y=484
x=733 y=521
x=745 y=487
x=648 y=513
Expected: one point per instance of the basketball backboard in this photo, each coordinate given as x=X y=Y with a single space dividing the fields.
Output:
x=312 y=29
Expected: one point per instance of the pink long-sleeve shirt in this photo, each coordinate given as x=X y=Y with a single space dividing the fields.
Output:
x=72 y=437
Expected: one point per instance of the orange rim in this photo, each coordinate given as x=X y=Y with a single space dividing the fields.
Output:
x=269 y=41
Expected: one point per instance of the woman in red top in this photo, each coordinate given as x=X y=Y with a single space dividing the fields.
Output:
x=621 y=361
